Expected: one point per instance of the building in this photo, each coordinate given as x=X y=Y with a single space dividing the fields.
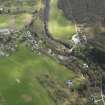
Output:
x=5 y=31
x=76 y=39
x=85 y=66
x=1 y=10
x=69 y=83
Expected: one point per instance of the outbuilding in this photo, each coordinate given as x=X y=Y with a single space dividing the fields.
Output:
x=5 y=31
x=76 y=39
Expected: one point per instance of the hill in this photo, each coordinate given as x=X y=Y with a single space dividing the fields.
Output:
x=19 y=83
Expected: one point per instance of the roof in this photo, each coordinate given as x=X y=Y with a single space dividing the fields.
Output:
x=4 y=31
x=76 y=39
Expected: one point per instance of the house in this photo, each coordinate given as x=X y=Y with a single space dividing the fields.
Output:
x=1 y=10
x=85 y=66
x=49 y=51
x=2 y=53
x=5 y=31
x=76 y=39
x=69 y=83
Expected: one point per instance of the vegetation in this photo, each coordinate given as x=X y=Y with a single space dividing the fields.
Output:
x=28 y=77
x=18 y=73
x=59 y=26
x=16 y=14
x=15 y=21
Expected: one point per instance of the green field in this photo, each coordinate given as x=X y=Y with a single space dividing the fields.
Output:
x=59 y=26
x=18 y=20
x=18 y=83
x=15 y=21
x=18 y=73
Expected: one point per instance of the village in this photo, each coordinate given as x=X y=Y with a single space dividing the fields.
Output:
x=28 y=26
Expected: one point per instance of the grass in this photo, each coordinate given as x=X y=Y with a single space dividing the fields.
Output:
x=20 y=20
x=4 y=21
x=59 y=26
x=15 y=21
x=25 y=66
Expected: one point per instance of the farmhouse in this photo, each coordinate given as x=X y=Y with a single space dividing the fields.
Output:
x=5 y=31
x=1 y=10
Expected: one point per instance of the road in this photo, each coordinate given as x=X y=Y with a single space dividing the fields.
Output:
x=46 y=10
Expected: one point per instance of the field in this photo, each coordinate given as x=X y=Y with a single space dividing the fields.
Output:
x=18 y=20
x=18 y=83
x=15 y=21
x=59 y=26
x=18 y=72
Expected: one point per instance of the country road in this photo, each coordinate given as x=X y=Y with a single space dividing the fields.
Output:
x=46 y=10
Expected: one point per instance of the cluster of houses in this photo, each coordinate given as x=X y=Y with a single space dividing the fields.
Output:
x=7 y=42
x=30 y=39
x=36 y=44
x=99 y=99
x=79 y=39
x=15 y=10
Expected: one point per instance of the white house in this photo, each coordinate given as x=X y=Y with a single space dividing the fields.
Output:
x=69 y=83
x=1 y=9
x=5 y=31
x=76 y=39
